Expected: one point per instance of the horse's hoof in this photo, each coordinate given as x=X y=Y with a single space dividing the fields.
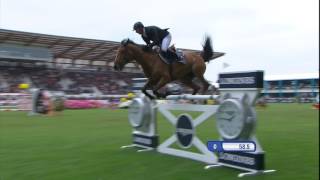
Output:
x=161 y=96
x=151 y=97
x=164 y=96
x=157 y=95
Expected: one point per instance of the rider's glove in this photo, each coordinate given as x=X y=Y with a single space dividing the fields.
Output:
x=156 y=48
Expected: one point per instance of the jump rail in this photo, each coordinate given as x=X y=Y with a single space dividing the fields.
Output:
x=192 y=97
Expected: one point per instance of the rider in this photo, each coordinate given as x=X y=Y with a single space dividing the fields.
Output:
x=158 y=36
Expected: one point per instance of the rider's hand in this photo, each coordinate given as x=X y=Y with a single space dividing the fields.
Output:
x=156 y=48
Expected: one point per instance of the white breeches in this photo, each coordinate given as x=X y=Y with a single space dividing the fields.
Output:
x=166 y=43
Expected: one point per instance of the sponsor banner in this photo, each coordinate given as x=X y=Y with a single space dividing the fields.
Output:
x=243 y=159
x=148 y=141
x=241 y=80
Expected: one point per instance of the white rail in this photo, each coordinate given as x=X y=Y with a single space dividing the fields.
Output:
x=192 y=97
x=95 y=96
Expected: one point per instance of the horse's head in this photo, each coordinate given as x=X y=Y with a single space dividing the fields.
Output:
x=124 y=55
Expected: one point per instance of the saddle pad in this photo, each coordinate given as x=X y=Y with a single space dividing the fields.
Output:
x=180 y=59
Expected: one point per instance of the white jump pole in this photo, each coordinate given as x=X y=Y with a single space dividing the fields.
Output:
x=192 y=97
x=95 y=96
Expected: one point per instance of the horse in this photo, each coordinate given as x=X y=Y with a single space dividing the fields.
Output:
x=159 y=73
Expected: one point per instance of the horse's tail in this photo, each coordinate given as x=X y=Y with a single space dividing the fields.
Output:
x=207 y=51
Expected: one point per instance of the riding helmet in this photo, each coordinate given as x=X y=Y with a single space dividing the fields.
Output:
x=137 y=25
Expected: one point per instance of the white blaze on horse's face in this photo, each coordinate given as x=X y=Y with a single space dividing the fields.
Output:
x=121 y=58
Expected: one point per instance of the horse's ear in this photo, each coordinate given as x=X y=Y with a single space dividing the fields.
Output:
x=125 y=42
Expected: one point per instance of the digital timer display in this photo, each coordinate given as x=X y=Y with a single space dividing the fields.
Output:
x=234 y=146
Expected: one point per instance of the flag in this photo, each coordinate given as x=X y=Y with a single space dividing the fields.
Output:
x=225 y=65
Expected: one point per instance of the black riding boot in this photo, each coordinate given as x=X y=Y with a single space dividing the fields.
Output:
x=170 y=56
x=166 y=56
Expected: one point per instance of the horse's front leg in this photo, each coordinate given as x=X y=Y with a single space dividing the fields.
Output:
x=145 y=88
x=163 y=81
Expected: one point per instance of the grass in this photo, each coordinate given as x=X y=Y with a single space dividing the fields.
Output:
x=85 y=145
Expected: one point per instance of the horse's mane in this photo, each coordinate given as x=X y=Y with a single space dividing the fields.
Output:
x=142 y=46
x=129 y=41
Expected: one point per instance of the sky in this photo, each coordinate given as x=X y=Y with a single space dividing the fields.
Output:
x=280 y=37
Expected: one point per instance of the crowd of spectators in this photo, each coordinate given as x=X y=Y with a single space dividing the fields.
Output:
x=69 y=81
x=76 y=81
x=293 y=84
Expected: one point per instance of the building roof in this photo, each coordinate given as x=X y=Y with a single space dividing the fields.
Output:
x=69 y=47
x=292 y=76
x=63 y=47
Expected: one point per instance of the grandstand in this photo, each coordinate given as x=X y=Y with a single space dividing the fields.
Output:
x=59 y=63
x=292 y=88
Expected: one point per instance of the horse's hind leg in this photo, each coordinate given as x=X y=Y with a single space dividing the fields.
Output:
x=191 y=84
x=205 y=84
x=198 y=71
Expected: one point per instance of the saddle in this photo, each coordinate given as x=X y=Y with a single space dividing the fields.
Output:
x=172 y=55
x=173 y=48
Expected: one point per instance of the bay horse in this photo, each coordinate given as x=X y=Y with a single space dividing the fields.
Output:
x=159 y=73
